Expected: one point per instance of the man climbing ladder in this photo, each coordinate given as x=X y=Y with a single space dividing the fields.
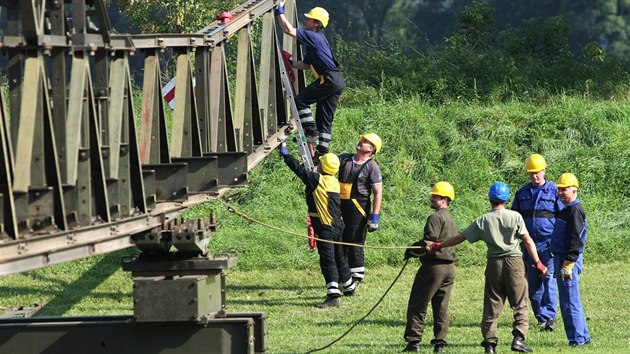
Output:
x=328 y=84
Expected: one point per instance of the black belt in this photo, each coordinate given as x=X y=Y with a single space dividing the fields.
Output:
x=436 y=261
x=327 y=71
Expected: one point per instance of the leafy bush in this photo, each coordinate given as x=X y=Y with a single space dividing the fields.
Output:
x=477 y=64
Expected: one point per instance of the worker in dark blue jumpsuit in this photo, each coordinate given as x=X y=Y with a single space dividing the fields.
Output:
x=537 y=202
x=329 y=83
x=567 y=245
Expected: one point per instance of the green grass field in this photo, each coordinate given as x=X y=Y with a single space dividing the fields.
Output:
x=470 y=146
x=98 y=287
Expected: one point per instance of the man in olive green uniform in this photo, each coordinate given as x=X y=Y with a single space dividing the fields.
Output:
x=501 y=230
x=434 y=280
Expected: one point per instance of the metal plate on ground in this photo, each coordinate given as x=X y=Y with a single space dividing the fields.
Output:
x=122 y=335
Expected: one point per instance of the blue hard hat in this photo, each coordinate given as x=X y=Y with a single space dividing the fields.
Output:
x=499 y=191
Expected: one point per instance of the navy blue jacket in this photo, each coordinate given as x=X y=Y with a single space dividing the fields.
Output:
x=569 y=235
x=317 y=51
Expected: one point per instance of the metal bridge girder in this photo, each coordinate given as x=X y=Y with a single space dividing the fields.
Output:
x=153 y=132
x=185 y=134
x=76 y=175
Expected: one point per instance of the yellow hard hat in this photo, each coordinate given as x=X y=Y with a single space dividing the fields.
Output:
x=535 y=163
x=374 y=140
x=444 y=189
x=330 y=163
x=568 y=180
x=319 y=14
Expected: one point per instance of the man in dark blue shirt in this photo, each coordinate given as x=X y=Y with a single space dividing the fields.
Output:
x=567 y=245
x=329 y=83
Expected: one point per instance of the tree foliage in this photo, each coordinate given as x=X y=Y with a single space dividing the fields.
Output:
x=173 y=16
x=367 y=16
x=484 y=57
x=429 y=22
x=480 y=63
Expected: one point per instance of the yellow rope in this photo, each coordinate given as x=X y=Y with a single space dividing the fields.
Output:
x=249 y=218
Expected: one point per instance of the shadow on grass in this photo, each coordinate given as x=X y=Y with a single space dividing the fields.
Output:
x=25 y=291
x=346 y=344
x=424 y=347
x=72 y=293
x=273 y=295
x=262 y=287
x=47 y=279
x=298 y=301
x=393 y=323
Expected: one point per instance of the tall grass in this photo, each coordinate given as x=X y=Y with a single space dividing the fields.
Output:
x=469 y=145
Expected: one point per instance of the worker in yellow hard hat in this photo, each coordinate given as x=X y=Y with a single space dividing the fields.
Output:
x=329 y=83
x=567 y=245
x=537 y=202
x=435 y=278
x=359 y=178
x=322 y=199
x=502 y=230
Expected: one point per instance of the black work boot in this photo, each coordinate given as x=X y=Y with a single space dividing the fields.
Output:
x=329 y=302
x=349 y=293
x=587 y=342
x=412 y=347
x=315 y=158
x=321 y=150
x=312 y=136
x=518 y=345
x=349 y=290
x=438 y=345
x=488 y=348
x=550 y=325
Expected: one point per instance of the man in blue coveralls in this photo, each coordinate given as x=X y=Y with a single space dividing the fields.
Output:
x=567 y=245
x=537 y=202
x=328 y=84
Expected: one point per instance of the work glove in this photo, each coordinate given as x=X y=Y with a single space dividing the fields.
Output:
x=283 y=149
x=279 y=10
x=415 y=252
x=373 y=222
x=566 y=273
x=435 y=247
x=541 y=268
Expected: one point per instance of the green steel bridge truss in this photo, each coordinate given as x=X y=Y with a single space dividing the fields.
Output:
x=81 y=172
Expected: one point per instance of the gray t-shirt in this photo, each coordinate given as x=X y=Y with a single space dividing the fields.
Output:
x=501 y=230
x=369 y=176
